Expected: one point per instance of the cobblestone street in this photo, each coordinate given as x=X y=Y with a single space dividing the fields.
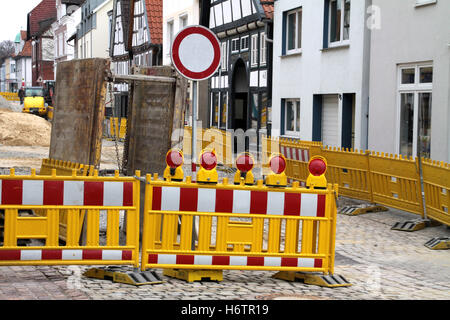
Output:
x=380 y=263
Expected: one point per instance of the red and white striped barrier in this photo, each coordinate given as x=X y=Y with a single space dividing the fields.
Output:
x=238 y=201
x=211 y=260
x=66 y=193
x=295 y=153
x=65 y=254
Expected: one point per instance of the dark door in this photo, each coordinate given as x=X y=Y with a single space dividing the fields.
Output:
x=240 y=111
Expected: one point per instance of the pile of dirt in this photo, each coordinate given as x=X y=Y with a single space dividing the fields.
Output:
x=22 y=129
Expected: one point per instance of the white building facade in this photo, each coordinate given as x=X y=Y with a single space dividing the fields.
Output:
x=410 y=79
x=321 y=59
x=68 y=16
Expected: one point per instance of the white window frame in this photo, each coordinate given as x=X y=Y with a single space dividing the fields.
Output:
x=420 y=3
x=243 y=40
x=183 y=17
x=341 y=41
x=297 y=46
x=224 y=63
x=296 y=132
x=233 y=41
x=170 y=35
x=415 y=88
x=262 y=49
x=254 y=50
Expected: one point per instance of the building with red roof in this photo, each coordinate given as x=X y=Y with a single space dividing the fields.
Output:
x=39 y=31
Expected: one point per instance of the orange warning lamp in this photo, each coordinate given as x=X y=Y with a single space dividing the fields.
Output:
x=244 y=164
x=174 y=161
x=277 y=164
x=208 y=163
x=317 y=167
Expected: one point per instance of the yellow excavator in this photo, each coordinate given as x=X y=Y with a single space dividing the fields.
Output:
x=37 y=100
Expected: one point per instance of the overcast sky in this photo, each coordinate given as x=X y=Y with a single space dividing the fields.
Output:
x=13 y=17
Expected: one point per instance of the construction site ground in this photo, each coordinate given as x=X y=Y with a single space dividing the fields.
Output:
x=380 y=263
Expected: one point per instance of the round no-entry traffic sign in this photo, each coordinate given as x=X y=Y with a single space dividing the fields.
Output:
x=196 y=53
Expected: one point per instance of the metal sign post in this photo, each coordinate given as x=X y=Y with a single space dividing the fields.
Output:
x=196 y=55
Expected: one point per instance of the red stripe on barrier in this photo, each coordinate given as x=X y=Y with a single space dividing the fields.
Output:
x=317 y=263
x=127 y=255
x=224 y=201
x=289 y=262
x=185 y=259
x=128 y=194
x=220 y=260
x=153 y=258
x=321 y=205
x=188 y=199
x=9 y=255
x=53 y=193
x=92 y=255
x=258 y=202
x=156 y=198
x=51 y=254
x=93 y=193
x=255 y=261
x=297 y=154
x=12 y=191
x=292 y=203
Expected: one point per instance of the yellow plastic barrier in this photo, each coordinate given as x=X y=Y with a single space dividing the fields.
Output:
x=227 y=226
x=436 y=180
x=10 y=96
x=52 y=194
x=117 y=130
x=64 y=168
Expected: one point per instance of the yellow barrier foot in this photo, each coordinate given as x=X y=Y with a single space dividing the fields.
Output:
x=438 y=243
x=357 y=210
x=414 y=225
x=194 y=275
x=133 y=278
x=329 y=281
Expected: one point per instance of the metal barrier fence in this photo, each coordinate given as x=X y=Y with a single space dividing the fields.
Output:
x=227 y=226
x=10 y=96
x=113 y=129
x=21 y=195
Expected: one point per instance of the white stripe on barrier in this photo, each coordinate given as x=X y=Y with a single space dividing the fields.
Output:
x=275 y=203
x=272 y=261
x=111 y=254
x=113 y=193
x=206 y=201
x=167 y=259
x=203 y=260
x=31 y=255
x=33 y=192
x=72 y=254
x=238 y=261
x=306 y=262
x=309 y=205
x=241 y=201
x=170 y=199
x=73 y=193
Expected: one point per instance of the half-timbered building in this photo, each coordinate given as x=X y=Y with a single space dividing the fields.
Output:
x=240 y=91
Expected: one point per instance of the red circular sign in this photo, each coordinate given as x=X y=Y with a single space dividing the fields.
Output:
x=196 y=53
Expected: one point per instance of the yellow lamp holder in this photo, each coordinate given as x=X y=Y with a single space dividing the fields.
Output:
x=244 y=164
x=208 y=162
x=317 y=168
x=174 y=168
x=277 y=164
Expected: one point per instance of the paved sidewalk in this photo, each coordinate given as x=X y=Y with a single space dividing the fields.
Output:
x=381 y=264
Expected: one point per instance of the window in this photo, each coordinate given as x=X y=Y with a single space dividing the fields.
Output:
x=224 y=56
x=414 y=112
x=263 y=49
x=170 y=33
x=235 y=45
x=183 y=21
x=254 y=51
x=244 y=43
x=339 y=21
x=292 y=112
x=293 y=21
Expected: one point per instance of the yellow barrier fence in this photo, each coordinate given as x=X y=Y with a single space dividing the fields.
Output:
x=95 y=195
x=10 y=96
x=117 y=130
x=227 y=226
x=436 y=180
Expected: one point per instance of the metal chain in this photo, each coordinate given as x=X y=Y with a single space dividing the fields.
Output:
x=115 y=129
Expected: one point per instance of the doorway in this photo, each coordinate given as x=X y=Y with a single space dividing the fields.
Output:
x=240 y=96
